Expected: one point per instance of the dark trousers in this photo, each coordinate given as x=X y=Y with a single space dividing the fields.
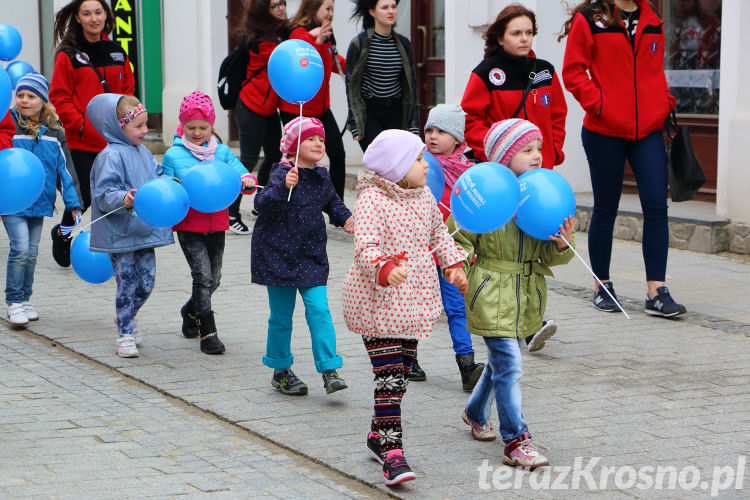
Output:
x=82 y=161
x=256 y=131
x=204 y=254
x=648 y=160
x=381 y=114
x=334 y=149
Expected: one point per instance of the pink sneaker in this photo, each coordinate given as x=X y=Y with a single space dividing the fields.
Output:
x=480 y=432
x=521 y=452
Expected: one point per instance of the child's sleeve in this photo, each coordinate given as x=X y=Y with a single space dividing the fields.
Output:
x=551 y=256
x=335 y=207
x=109 y=189
x=167 y=165
x=274 y=195
x=464 y=239
x=448 y=253
x=368 y=222
x=231 y=159
x=158 y=169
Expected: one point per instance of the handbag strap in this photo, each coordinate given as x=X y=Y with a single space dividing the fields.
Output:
x=86 y=58
x=522 y=104
x=671 y=127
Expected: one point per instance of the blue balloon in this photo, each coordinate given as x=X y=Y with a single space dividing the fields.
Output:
x=547 y=200
x=435 y=176
x=22 y=179
x=93 y=267
x=485 y=197
x=6 y=93
x=211 y=186
x=295 y=70
x=16 y=70
x=161 y=202
x=10 y=42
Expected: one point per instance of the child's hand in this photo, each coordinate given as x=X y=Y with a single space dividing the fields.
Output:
x=397 y=276
x=128 y=200
x=349 y=225
x=457 y=278
x=292 y=177
x=565 y=231
x=248 y=183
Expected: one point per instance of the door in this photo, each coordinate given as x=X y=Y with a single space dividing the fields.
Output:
x=428 y=41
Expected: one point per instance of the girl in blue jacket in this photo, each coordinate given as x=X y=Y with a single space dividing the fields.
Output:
x=38 y=130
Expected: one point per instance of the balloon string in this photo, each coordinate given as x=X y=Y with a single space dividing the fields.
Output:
x=299 y=140
x=601 y=285
x=443 y=205
x=80 y=229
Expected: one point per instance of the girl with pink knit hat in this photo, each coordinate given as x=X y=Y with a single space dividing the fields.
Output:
x=201 y=235
x=391 y=293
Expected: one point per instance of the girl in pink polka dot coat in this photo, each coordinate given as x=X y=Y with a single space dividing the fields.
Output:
x=391 y=292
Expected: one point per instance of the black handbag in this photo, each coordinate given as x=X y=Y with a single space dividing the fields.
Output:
x=685 y=173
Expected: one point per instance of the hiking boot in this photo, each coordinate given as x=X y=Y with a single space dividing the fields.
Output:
x=210 y=343
x=237 y=226
x=30 y=312
x=662 y=305
x=604 y=302
x=416 y=373
x=536 y=341
x=288 y=383
x=395 y=468
x=332 y=382
x=470 y=371
x=373 y=447
x=60 y=247
x=480 y=432
x=125 y=347
x=16 y=315
x=190 y=323
x=521 y=452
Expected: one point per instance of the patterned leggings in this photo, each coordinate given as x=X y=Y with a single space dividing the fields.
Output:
x=135 y=273
x=391 y=362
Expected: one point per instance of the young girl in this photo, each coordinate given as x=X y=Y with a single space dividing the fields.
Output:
x=391 y=292
x=289 y=254
x=38 y=130
x=201 y=235
x=119 y=170
x=506 y=298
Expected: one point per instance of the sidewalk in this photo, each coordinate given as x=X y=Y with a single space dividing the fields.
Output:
x=644 y=392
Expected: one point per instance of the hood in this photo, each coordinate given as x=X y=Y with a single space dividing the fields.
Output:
x=102 y=113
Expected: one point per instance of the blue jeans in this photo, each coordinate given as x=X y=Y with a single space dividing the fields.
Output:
x=135 y=273
x=500 y=379
x=278 y=344
x=455 y=310
x=24 y=234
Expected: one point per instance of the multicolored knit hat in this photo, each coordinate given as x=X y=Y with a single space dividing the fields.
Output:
x=36 y=83
x=197 y=106
x=292 y=134
x=506 y=138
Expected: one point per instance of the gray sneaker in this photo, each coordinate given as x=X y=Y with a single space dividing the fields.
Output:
x=333 y=382
x=288 y=383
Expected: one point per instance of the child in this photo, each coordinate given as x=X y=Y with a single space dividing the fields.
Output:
x=289 y=254
x=506 y=298
x=38 y=130
x=444 y=135
x=391 y=292
x=118 y=171
x=201 y=235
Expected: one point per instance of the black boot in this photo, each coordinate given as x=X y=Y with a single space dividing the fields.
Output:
x=470 y=371
x=210 y=343
x=416 y=373
x=190 y=323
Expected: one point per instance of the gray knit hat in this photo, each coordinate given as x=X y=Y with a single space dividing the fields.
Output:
x=448 y=118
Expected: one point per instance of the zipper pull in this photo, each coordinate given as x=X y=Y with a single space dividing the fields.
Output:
x=534 y=92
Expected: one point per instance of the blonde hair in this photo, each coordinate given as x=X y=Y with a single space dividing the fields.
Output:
x=404 y=183
x=125 y=104
x=47 y=116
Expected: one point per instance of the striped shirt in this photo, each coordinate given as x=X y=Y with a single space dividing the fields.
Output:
x=382 y=76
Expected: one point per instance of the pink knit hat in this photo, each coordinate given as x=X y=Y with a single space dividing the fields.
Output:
x=197 y=106
x=292 y=134
x=506 y=138
x=392 y=153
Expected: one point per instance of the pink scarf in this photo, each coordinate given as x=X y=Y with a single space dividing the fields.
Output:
x=454 y=164
x=203 y=153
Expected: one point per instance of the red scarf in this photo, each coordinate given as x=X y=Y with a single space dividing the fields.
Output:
x=454 y=164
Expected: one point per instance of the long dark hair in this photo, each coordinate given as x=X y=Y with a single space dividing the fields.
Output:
x=67 y=30
x=362 y=11
x=258 y=24
x=305 y=15
x=602 y=11
x=497 y=29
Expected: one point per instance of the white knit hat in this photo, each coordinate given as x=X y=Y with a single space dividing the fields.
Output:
x=448 y=118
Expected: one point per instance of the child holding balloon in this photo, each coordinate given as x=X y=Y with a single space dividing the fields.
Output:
x=391 y=293
x=201 y=235
x=288 y=254
x=506 y=298
x=118 y=172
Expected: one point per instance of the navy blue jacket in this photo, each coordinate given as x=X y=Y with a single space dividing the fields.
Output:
x=289 y=238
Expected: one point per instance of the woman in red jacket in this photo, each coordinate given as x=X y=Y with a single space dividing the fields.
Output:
x=313 y=25
x=510 y=70
x=87 y=64
x=264 y=26
x=614 y=66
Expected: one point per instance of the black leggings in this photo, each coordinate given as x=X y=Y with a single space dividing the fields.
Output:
x=381 y=114
x=82 y=161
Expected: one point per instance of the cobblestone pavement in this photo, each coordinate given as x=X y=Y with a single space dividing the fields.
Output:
x=616 y=395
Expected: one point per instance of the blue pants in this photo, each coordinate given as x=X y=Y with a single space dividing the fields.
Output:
x=24 y=234
x=135 y=273
x=501 y=381
x=648 y=160
x=278 y=344
x=455 y=310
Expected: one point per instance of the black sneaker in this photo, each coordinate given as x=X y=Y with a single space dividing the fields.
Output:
x=373 y=447
x=604 y=302
x=663 y=304
x=332 y=382
x=237 y=226
x=288 y=383
x=60 y=247
x=395 y=468
x=416 y=373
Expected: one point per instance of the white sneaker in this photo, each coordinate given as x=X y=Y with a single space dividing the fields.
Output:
x=16 y=315
x=31 y=313
x=125 y=347
x=537 y=341
x=137 y=333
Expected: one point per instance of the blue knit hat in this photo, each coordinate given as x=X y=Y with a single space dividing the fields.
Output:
x=36 y=83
